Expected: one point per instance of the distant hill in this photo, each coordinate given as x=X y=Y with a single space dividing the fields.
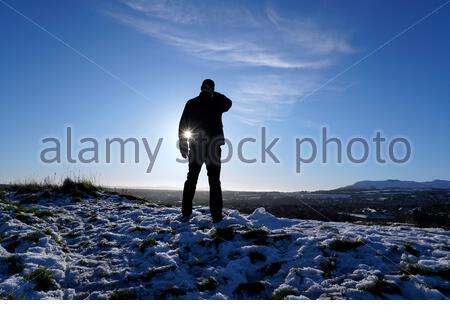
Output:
x=399 y=184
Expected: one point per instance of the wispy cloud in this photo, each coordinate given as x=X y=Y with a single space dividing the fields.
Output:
x=291 y=53
x=231 y=34
x=258 y=99
x=173 y=11
x=308 y=35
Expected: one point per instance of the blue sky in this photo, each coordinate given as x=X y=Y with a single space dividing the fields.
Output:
x=132 y=65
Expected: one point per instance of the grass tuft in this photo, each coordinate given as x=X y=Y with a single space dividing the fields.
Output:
x=80 y=185
x=284 y=291
x=147 y=242
x=155 y=271
x=3 y=197
x=255 y=234
x=33 y=236
x=328 y=266
x=123 y=294
x=43 y=279
x=250 y=289
x=30 y=187
x=208 y=284
x=43 y=213
x=410 y=249
x=223 y=234
x=75 y=186
x=380 y=287
x=343 y=245
x=416 y=269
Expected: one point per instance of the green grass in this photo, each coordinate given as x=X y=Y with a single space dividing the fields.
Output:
x=123 y=294
x=67 y=186
x=410 y=249
x=33 y=237
x=93 y=219
x=125 y=207
x=155 y=271
x=3 y=197
x=259 y=236
x=343 y=245
x=328 y=266
x=8 y=297
x=208 y=284
x=43 y=279
x=380 y=287
x=77 y=198
x=416 y=269
x=55 y=238
x=79 y=185
x=250 y=289
x=223 y=234
x=30 y=187
x=147 y=242
x=282 y=293
x=140 y=229
x=255 y=234
x=72 y=234
x=43 y=213
x=31 y=192
x=22 y=209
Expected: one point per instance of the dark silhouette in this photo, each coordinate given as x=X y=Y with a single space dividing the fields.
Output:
x=201 y=126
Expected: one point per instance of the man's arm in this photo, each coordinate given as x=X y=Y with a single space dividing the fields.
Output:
x=223 y=102
x=183 y=126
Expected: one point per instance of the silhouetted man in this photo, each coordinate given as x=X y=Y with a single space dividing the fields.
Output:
x=201 y=124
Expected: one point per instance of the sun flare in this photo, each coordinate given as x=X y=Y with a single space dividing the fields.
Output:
x=188 y=134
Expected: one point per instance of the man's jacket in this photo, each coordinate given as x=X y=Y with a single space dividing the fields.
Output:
x=202 y=116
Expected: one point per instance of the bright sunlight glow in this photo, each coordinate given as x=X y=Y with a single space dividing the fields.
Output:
x=187 y=134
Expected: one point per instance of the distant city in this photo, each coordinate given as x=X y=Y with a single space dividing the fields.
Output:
x=423 y=204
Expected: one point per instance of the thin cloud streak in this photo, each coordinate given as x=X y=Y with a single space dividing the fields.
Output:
x=252 y=41
x=269 y=98
x=307 y=35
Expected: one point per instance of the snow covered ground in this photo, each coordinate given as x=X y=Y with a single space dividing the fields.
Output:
x=107 y=246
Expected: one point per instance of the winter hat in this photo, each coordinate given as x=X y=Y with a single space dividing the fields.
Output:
x=207 y=85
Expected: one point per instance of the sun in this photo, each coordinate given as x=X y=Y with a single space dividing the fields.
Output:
x=187 y=134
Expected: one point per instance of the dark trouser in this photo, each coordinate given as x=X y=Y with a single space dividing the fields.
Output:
x=210 y=155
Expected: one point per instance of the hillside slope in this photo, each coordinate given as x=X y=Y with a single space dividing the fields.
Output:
x=399 y=184
x=106 y=246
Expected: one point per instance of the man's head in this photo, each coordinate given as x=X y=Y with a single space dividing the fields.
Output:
x=207 y=86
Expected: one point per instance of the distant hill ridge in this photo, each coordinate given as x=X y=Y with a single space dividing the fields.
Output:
x=400 y=184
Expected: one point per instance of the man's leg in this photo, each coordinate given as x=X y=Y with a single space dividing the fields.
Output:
x=213 y=166
x=195 y=165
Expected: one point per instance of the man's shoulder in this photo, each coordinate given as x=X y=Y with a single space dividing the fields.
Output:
x=193 y=101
